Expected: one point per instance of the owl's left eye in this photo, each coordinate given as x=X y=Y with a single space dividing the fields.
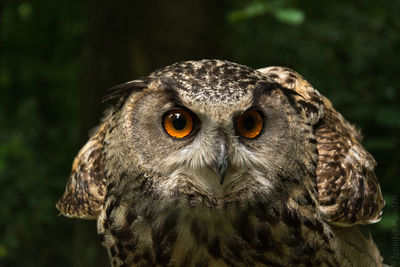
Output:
x=178 y=123
x=250 y=124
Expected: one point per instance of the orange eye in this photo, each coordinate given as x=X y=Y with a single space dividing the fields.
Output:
x=250 y=124
x=178 y=123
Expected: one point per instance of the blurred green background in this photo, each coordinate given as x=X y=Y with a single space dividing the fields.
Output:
x=58 y=57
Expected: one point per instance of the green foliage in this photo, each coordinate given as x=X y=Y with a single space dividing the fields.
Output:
x=278 y=9
x=348 y=50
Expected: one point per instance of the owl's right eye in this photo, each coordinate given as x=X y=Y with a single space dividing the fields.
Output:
x=178 y=123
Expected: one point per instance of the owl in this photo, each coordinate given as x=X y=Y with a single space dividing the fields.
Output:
x=212 y=163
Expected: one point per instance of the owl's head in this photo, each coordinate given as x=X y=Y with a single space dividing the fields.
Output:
x=210 y=133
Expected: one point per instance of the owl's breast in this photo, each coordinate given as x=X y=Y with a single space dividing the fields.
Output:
x=154 y=232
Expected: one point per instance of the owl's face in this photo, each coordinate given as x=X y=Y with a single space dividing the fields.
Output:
x=209 y=135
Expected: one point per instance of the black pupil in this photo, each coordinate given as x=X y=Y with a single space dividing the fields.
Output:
x=179 y=122
x=248 y=123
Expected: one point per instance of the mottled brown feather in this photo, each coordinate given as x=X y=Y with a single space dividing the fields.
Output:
x=348 y=191
x=86 y=187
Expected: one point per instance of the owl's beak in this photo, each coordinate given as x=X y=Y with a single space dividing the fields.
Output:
x=222 y=160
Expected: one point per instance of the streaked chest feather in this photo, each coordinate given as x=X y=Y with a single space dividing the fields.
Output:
x=256 y=235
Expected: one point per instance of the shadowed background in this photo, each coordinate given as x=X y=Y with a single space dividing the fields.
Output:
x=58 y=57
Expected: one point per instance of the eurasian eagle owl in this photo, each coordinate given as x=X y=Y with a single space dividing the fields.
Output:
x=211 y=163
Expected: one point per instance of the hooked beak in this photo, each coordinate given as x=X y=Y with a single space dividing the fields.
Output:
x=221 y=162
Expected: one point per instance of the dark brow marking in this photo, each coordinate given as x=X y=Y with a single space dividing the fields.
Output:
x=265 y=88
x=169 y=88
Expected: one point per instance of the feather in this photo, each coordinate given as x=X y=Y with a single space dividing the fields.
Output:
x=125 y=89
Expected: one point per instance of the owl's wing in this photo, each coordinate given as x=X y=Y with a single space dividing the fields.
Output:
x=87 y=184
x=86 y=187
x=348 y=191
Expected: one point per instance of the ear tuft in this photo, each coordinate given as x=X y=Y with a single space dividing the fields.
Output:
x=306 y=97
x=126 y=88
